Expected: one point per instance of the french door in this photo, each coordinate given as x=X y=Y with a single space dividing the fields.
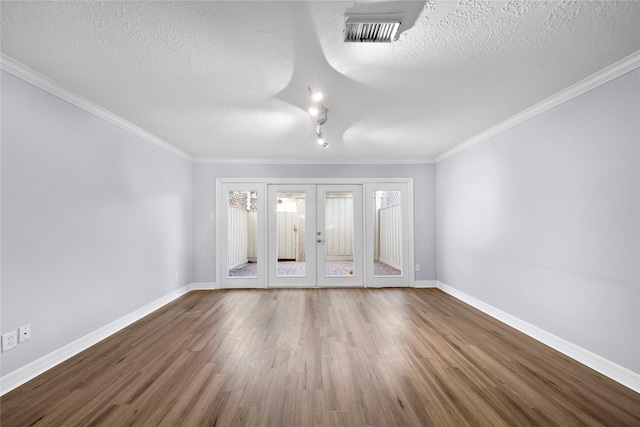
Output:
x=315 y=235
x=242 y=257
x=282 y=233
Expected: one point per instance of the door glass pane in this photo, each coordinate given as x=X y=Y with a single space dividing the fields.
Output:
x=387 y=241
x=242 y=214
x=338 y=233
x=290 y=231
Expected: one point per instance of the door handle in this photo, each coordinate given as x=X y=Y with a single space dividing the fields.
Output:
x=320 y=241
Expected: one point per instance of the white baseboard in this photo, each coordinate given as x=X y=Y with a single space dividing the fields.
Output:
x=37 y=367
x=202 y=286
x=604 y=366
x=426 y=284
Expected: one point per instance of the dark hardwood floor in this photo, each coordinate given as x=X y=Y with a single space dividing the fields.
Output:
x=307 y=357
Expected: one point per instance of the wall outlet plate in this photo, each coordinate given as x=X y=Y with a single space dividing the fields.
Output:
x=9 y=341
x=24 y=333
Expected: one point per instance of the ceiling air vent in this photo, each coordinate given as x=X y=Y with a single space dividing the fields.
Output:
x=371 y=28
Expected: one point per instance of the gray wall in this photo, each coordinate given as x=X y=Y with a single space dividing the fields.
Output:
x=94 y=221
x=204 y=197
x=542 y=221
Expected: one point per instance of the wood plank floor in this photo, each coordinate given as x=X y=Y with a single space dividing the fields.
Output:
x=334 y=357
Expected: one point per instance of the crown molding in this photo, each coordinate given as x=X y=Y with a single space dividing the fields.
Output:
x=25 y=73
x=609 y=73
x=313 y=161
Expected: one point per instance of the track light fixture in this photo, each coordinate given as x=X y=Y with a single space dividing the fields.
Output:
x=321 y=140
x=319 y=113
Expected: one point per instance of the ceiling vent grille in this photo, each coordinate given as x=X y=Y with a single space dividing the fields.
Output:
x=371 y=29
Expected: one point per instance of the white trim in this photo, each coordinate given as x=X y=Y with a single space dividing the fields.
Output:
x=37 y=367
x=609 y=73
x=411 y=233
x=604 y=366
x=320 y=161
x=27 y=74
x=202 y=286
x=218 y=230
x=426 y=284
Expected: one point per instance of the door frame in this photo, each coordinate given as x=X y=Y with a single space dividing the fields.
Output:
x=222 y=278
x=308 y=280
x=358 y=279
x=261 y=282
x=407 y=244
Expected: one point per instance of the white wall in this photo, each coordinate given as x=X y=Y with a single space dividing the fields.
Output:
x=543 y=221
x=94 y=221
x=204 y=178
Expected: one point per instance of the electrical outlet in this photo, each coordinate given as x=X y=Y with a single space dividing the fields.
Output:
x=417 y=267
x=24 y=333
x=9 y=341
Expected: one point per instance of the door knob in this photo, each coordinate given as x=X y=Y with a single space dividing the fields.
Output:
x=320 y=241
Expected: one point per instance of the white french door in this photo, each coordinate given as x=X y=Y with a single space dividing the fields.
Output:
x=241 y=208
x=307 y=233
x=315 y=235
x=389 y=228
x=291 y=220
x=339 y=235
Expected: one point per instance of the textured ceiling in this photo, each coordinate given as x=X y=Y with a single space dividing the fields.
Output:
x=228 y=80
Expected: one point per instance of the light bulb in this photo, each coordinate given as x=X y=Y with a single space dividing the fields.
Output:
x=321 y=140
x=317 y=96
x=313 y=111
